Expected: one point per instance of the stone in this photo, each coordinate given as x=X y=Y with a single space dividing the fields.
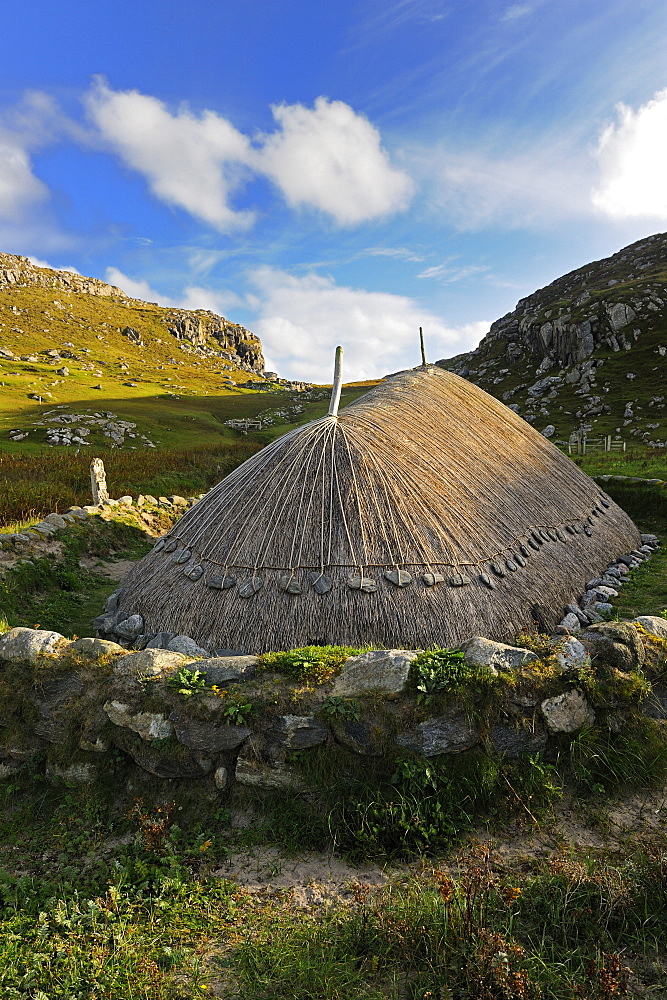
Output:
x=458 y=580
x=160 y=641
x=567 y=712
x=288 y=583
x=76 y=774
x=614 y=644
x=482 y=652
x=449 y=733
x=384 y=670
x=222 y=669
x=254 y=770
x=653 y=624
x=187 y=645
x=219 y=582
x=549 y=431
x=148 y=725
x=364 y=583
x=399 y=577
x=250 y=587
x=56 y=520
x=430 y=579
x=517 y=741
x=571 y=654
x=96 y=647
x=126 y=501
x=130 y=628
x=150 y=662
x=297 y=732
x=26 y=645
x=320 y=583
x=207 y=736
x=487 y=581
x=98 y=482
x=655 y=704
x=571 y=622
x=221 y=777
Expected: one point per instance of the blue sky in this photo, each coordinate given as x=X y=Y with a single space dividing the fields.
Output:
x=333 y=173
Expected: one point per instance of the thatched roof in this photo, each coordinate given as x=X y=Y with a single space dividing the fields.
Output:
x=425 y=512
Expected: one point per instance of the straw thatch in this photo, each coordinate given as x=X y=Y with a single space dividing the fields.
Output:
x=424 y=513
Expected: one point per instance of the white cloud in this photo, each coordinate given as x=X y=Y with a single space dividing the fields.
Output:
x=44 y=263
x=632 y=154
x=518 y=10
x=19 y=188
x=397 y=253
x=448 y=272
x=193 y=162
x=302 y=320
x=36 y=121
x=330 y=158
x=546 y=183
x=193 y=297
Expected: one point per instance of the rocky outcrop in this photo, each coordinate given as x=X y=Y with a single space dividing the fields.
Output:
x=202 y=326
x=203 y=329
x=561 y=358
x=21 y=272
x=599 y=304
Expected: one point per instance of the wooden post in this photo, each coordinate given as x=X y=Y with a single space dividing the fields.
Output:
x=337 y=383
x=421 y=343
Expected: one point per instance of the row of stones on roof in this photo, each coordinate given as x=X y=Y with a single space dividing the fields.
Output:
x=134 y=706
x=130 y=630
x=596 y=601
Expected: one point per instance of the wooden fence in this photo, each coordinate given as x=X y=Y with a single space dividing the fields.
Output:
x=586 y=445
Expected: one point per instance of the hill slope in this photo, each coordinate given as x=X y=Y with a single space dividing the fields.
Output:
x=588 y=351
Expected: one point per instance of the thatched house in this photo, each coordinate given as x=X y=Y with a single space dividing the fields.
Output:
x=424 y=513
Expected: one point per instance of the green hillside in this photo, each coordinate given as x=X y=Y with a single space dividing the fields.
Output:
x=164 y=388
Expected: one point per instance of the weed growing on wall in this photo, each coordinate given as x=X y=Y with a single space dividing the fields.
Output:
x=313 y=664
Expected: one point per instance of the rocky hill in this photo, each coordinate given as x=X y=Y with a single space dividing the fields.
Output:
x=203 y=329
x=587 y=353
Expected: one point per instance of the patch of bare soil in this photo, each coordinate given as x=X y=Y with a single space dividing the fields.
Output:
x=314 y=879
x=112 y=570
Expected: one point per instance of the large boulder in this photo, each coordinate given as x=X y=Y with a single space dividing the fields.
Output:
x=150 y=662
x=614 y=644
x=26 y=645
x=567 y=712
x=207 y=736
x=482 y=652
x=448 y=733
x=297 y=732
x=148 y=725
x=383 y=670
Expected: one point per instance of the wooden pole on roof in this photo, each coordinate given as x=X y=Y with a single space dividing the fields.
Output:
x=337 y=383
x=421 y=341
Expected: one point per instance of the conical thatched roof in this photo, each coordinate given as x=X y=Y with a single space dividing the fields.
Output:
x=426 y=512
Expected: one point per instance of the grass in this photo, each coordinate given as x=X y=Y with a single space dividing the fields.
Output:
x=55 y=480
x=102 y=904
x=54 y=592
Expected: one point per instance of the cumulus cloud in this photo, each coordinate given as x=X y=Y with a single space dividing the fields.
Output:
x=33 y=123
x=330 y=158
x=19 y=188
x=302 y=319
x=191 y=161
x=193 y=297
x=632 y=154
